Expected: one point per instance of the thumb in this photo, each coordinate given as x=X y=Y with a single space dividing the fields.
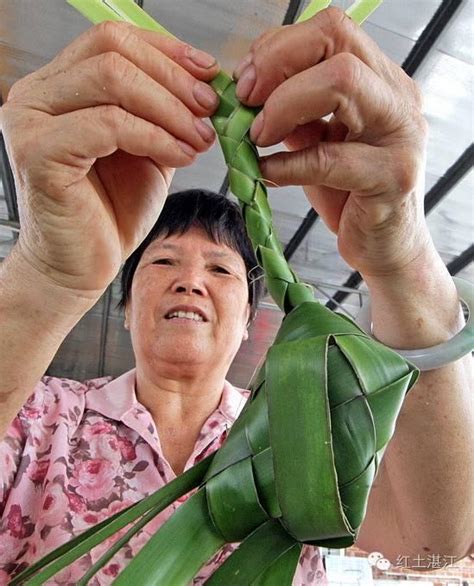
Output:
x=347 y=166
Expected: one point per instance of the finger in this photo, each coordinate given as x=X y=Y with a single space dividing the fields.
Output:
x=247 y=60
x=111 y=79
x=167 y=61
x=349 y=166
x=310 y=134
x=75 y=141
x=200 y=64
x=293 y=49
x=331 y=171
x=342 y=85
x=328 y=202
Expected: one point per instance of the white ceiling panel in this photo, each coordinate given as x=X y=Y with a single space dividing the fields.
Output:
x=393 y=44
x=447 y=85
x=404 y=17
x=457 y=39
x=451 y=221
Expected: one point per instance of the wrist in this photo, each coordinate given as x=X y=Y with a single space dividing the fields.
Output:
x=425 y=265
x=416 y=306
x=34 y=296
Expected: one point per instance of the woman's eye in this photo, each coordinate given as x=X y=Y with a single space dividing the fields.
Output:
x=162 y=261
x=222 y=270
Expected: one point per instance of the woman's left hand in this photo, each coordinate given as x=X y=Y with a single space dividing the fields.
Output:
x=363 y=171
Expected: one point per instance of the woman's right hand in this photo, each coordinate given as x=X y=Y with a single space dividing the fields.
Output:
x=94 y=138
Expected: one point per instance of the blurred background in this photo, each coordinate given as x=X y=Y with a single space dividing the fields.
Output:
x=431 y=39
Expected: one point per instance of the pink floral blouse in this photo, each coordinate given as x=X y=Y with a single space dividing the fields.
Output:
x=79 y=452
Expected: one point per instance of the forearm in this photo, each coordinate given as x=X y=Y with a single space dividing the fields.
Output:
x=35 y=317
x=427 y=469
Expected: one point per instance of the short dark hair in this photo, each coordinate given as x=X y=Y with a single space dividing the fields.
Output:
x=222 y=220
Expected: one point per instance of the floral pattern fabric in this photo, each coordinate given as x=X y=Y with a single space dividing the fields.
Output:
x=79 y=452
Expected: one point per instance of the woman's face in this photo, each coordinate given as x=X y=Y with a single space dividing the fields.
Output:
x=189 y=304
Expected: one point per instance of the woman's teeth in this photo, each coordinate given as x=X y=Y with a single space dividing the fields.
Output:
x=186 y=315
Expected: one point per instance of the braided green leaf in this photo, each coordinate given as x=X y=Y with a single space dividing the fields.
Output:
x=300 y=460
x=232 y=122
x=69 y=552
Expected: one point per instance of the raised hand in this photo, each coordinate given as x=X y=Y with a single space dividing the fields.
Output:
x=94 y=138
x=362 y=170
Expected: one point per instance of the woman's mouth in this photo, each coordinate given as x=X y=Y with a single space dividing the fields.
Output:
x=185 y=315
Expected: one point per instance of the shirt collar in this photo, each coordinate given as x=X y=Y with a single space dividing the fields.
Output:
x=115 y=398
x=232 y=401
x=118 y=396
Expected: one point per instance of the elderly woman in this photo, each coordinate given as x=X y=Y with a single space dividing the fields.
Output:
x=94 y=138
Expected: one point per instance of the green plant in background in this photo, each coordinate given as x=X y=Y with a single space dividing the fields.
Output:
x=300 y=460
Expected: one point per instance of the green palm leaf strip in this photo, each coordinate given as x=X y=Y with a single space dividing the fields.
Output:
x=69 y=552
x=300 y=460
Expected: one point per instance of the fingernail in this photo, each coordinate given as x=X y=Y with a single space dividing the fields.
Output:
x=205 y=95
x=200 y=58
x=246 y=82
x=187 y=148
x=242 y=65
x=257 y=127
x=204 y=130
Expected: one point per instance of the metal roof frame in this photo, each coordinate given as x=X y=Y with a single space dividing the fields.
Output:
x=461 y=261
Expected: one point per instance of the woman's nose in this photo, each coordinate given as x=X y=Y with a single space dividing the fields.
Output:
x=189 y=284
